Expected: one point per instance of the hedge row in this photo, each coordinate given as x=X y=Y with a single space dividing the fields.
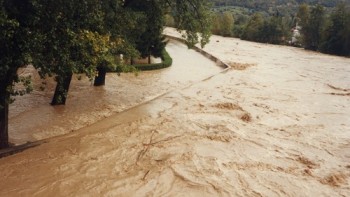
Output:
x=166 y=62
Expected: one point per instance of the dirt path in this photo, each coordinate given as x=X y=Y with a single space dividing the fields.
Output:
x=277 y=126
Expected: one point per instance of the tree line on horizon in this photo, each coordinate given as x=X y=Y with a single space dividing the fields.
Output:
x=63 y=37
x=325 y=33
x=263 y=5
x=321 y=29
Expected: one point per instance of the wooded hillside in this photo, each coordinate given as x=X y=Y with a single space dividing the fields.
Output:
x=266 y=4
x=320 y=25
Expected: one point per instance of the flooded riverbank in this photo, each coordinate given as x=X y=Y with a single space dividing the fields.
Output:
x=276 y=124
x=32 y=118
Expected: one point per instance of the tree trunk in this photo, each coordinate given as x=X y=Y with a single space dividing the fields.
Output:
x=101 y=77
x=62 y=88
x=4 y=111
x=149 y=59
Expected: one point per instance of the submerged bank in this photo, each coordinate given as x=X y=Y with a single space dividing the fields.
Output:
x=32 y=118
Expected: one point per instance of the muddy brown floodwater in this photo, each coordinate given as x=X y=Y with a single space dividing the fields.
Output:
x=276 y=124
x=32 y=118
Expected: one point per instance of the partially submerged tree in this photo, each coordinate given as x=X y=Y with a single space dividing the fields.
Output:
x=69 y=41
x=122 y=25
x=62 y=23
x=15 y=39
x=140 y=24
x=115 y=60
x=150 y=41
x=62 y=37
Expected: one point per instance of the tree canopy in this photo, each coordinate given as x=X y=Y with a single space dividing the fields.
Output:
x=312 y=28
x=61 y=37
x=336 y=38
x=319 y=25
x=15 y=40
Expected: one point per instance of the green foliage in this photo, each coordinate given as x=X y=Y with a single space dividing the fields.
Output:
x=271 y=32
x=106 y=51
x=150 y=40
x=223 y=24
x=169 y=20
x=227 y=24
x=252 y=30
x=24 y=86
x=15 y=41
x=61 y=37
x=68 y=41
x=326 y=34
x=8 y=28
x=272 y=29
x=263 y=5
x=303 y=14
x=326 y=29
x=194 y=17
x=216 y=24
x=312 y=28
x=336 y=38
x=166 y=62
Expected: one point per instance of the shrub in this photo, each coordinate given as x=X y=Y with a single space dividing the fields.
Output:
x=166 y=62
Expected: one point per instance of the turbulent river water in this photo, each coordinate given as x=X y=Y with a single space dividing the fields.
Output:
x=276 y=124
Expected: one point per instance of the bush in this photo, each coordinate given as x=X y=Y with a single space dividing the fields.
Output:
x=166 y=62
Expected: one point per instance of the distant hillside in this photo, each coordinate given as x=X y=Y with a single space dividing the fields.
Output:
x=270 y=7
x=322 y=25
x=266 y=4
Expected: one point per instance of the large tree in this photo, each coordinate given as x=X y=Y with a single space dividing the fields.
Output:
x=123 y=26
x=150 y=39
x=274 y=30
x=62 y=37
x=68 y=32
x=253 y=28
x=312 y=28
x=227 y=22
x=140 y=24
x=16 y=17
x=194 y=17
